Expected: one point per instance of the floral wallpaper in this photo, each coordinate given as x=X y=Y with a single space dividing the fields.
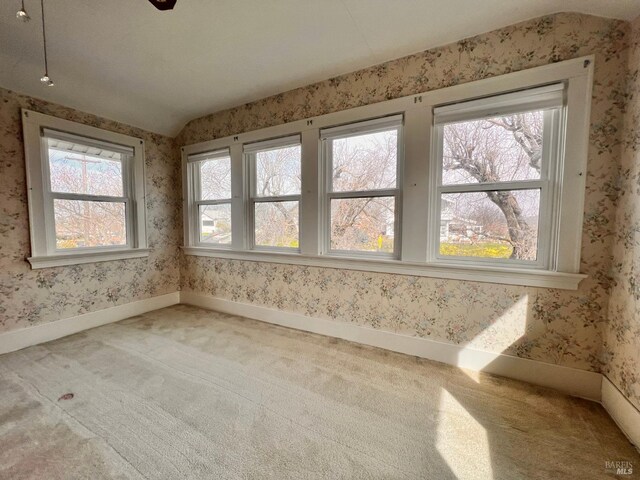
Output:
x=622 y=338
x=31 y=297
x=556 y=326
x=594 y=328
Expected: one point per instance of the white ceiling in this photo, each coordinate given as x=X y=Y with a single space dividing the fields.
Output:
x=124 y=60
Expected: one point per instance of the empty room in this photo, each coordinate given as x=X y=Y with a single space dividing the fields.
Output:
x=303 y=239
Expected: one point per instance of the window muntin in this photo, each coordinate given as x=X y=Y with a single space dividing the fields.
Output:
x=496 y=180
x=211 y=175
x=275 y=170
x=362 y=165
x=88 y=192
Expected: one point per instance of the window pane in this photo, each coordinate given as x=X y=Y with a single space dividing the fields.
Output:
x=365 y=162
x=278 y=172
x=81 y=223
x=363 y=224
x=72 y=172
x=215 y=223
x=277 y=224
x=215 y=178
x=490 y=224
x=499 y=149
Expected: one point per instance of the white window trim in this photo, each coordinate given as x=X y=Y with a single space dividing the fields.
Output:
x=194 y=198
x=250 y=150
x=383 y=124
x=546 y=97
x=43 y=252
x=577 y=76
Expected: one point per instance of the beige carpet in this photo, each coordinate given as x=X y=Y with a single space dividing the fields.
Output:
x=187 y=393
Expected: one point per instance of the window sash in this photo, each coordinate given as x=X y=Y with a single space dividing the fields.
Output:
x=327 y=136
x=198 y=230
x=98 y=248
x=250 y=152
x=251 y=216
x=548 y=184
x=194 y=167
x=127 y=176
x=251 y=213
x=50 y=196
x=393 y=193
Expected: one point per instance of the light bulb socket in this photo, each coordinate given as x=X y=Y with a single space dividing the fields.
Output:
x=23 y=15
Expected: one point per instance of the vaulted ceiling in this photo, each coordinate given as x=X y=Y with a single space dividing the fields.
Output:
x=127 y=61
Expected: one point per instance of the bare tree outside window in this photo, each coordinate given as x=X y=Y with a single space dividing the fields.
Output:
x=215 y=179
x=364 y=163
x=214 y=202
x=278 y=180
x=497 y=223
x=83 y=223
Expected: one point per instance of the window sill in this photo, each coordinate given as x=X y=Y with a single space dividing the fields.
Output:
x=506 y=276
x=85 y=257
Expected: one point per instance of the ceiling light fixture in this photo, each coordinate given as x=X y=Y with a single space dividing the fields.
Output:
x=46 y=80
x=163 y=4
x=22 y=14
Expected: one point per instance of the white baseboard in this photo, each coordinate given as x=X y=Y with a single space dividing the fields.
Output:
x=26 y=337
x=579 y=383
x=623 y=412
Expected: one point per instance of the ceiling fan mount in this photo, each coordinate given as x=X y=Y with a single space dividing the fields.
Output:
x=163 y=4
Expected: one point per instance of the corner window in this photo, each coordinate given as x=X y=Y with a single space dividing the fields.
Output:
x=362 y=187
x=211 y=176
x=86 y=191
x=275 y=187
x=495 y=179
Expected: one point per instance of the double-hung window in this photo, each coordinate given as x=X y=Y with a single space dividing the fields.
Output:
x=496 y=176
x=362 y=187
x=86 y=194
x=275 y=186
x=211 y=177
x=480 y=181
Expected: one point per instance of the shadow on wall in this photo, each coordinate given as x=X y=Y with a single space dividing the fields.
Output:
x=527 y=426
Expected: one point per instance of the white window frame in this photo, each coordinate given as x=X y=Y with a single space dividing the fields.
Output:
x=44 y=252
x=415 y=253
x=545 y=97
x=250 y=151
x=195 y=202
x=383 y=124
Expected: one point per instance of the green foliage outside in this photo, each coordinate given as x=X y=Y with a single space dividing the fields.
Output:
x=487 y=250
